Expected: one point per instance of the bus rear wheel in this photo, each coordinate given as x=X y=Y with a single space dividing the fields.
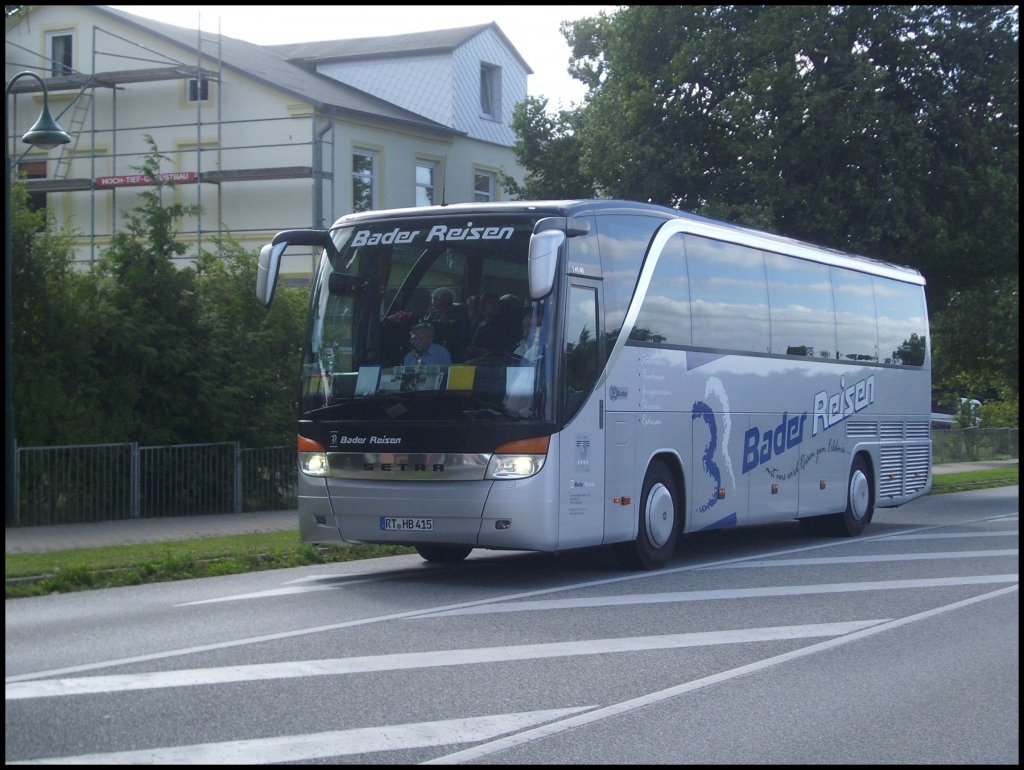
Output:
x=860 y=507
x=446 y=554
x=659 y=523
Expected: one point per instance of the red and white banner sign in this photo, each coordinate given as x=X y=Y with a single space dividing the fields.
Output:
x=136 y=180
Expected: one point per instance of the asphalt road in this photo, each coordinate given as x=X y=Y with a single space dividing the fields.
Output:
x=755 y=645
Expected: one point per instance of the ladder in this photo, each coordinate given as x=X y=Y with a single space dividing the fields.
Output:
x=76 y=123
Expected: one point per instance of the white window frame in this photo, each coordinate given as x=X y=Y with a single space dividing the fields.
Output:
x=367 y=177
x=480 y=194
x=426 y=191
x=490 y=91
x=57 y=65
x=195 y=87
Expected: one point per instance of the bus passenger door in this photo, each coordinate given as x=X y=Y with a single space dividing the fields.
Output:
x=581 y=460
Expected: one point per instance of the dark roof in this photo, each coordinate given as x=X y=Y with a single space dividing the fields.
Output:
x=263 y=64
x=413 y=43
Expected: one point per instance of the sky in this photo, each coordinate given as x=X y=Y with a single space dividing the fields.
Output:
x=533 y=30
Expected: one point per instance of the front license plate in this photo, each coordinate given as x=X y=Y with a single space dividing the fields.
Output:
x=389 y=524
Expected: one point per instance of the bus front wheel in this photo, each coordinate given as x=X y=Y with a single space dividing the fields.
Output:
x=658 y=528
x=447 y=554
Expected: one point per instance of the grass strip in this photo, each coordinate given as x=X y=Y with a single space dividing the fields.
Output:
x=80 y=569
x=38 y=574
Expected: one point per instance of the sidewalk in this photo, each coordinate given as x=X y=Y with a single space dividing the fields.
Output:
x=61 y=537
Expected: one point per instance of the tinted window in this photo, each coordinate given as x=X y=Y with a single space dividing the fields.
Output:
x=802 y=314
x=902 y=324
x=665 y=313
x=856 y=330
x=728 y=295
x=624 y=240
x=581 y=349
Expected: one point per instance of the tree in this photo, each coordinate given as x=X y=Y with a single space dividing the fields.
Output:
x=547 y=148
x=890 y=131
x=151 y=350
x=52 y=342
x=885 y=130
x=139 y=349
x=253 y=356
x=976 y=349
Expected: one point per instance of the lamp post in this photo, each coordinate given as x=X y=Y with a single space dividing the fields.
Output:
x=45 y=134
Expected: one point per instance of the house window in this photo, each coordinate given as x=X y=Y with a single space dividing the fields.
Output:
x=490 y=91
x=483 y=186
x=425 y=173
x=364 y=188
x=199 y=90
x=61 y=53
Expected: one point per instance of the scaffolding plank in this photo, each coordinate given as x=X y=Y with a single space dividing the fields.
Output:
x=215 y=177
x=57 y=185
x=247 y=174
x=111 y=79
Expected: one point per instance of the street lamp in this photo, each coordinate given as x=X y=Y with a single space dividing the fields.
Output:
x=46 y=135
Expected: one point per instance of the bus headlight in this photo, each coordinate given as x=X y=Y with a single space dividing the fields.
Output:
x=312 y=457
x=313 y=463
x=518 y=459
x=514 y=466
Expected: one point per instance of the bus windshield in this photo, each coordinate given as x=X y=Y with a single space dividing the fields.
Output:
x=427 y=319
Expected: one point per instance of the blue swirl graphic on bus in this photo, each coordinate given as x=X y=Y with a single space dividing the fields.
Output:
x=704 y=412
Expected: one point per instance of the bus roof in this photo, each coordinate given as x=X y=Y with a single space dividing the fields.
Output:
x=588 y=207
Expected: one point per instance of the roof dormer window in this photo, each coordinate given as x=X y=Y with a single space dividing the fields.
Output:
x=490 y=91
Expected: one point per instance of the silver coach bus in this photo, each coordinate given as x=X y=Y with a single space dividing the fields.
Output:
x=612 y=373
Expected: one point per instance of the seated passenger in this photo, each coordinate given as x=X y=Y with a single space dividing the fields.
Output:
x=424 y=349
x=491 y=333
x=528 y=347
x=450 y=323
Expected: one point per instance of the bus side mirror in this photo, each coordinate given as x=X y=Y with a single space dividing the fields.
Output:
x=270 y=258
x=266 y=272
x=543 y=261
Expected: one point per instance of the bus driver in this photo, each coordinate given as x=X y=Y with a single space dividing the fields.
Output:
x=424 y=349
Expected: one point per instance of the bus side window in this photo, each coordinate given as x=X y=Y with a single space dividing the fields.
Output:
x=856 y=320
x=581 y=349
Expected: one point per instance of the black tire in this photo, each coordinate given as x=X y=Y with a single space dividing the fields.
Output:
x=659 y=522
x=860 y=507
x=446 y=554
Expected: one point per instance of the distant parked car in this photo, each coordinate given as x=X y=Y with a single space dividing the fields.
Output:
x=969 y=416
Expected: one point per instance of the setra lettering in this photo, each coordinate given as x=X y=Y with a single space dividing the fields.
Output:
x=401 y=467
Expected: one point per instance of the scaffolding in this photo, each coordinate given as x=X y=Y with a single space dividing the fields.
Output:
x=82 y=105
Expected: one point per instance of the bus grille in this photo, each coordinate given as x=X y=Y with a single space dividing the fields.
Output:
x=919 y=431
x=903 y=470
x=861 y=429
x=919 y=463
x=892 y=431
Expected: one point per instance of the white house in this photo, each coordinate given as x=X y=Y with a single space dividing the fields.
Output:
x=263 y=138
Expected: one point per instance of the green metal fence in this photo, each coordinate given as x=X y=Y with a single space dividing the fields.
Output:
x=973 y=444
x=107 y=482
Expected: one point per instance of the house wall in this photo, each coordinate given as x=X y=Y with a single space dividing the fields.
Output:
x=443 y=87
x=488 y=48
x=245 y=124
